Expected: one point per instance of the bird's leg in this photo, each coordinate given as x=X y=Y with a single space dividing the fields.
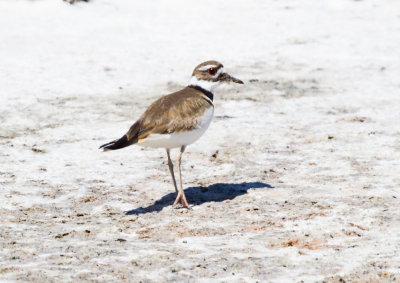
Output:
x=171 y=170
x=181 y=195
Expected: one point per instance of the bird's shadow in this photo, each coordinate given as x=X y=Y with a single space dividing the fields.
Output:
x=199 y=195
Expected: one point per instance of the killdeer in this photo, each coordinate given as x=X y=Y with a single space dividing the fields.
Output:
x=178 y=119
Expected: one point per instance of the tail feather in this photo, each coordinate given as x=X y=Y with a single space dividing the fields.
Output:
x=116 y=144
x=129 y=138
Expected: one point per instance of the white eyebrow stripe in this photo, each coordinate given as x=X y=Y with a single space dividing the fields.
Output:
x=206 y=67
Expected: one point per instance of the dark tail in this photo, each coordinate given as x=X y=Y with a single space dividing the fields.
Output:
x=129 y=138
x=116 y=144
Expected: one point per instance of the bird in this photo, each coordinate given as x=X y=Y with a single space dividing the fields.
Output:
x=178 y=119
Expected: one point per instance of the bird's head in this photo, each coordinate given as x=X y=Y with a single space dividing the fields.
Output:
x=210 y=74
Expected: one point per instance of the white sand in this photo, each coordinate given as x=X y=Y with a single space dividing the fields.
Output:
x=305 y=183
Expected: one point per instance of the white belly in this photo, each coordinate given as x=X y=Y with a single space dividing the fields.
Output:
x=182 y=138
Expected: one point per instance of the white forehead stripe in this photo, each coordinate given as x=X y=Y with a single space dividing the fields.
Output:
x=206 y=67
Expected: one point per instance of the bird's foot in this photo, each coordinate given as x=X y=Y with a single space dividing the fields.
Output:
x=183 y=201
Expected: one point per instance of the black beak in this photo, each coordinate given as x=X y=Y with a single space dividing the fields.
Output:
x=228 y=78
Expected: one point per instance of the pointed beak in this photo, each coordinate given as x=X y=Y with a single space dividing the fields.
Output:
x=228 y=78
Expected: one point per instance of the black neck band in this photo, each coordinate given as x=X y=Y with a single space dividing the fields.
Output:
x=206 y=92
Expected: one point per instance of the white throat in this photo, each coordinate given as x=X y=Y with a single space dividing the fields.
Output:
x=207 y=85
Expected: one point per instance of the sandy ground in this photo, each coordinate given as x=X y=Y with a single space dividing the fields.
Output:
x=297 y=178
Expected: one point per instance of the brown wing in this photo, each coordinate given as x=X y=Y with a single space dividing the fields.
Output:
x=175 y=112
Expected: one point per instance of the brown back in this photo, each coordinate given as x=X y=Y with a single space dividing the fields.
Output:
x=175 y=112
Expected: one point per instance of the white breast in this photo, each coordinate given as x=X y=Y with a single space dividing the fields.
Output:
x=182 y=138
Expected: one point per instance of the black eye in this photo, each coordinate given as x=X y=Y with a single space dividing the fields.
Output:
x=212 y=71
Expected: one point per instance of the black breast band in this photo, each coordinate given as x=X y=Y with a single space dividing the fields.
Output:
x=206 y=92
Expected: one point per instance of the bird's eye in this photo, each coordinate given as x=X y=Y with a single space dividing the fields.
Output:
x=212 y=71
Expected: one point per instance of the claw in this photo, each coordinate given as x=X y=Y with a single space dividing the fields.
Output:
x=178 y=197
x=183 y=201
